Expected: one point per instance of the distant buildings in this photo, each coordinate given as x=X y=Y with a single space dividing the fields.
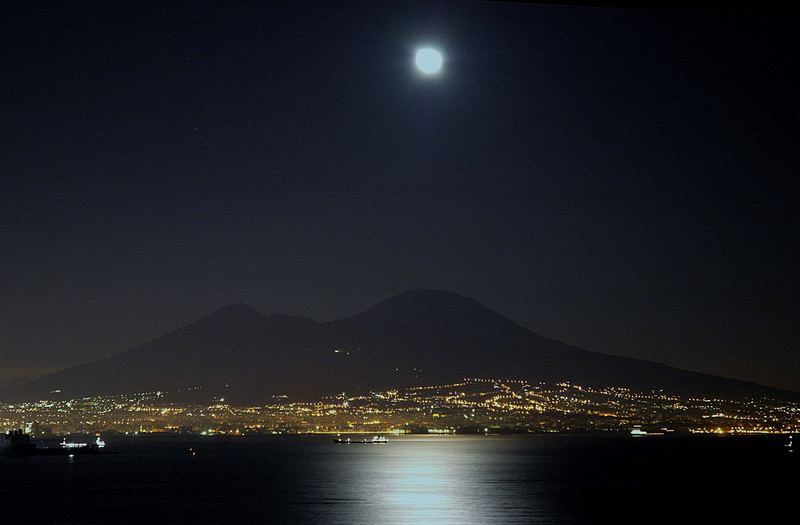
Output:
x=473 y=405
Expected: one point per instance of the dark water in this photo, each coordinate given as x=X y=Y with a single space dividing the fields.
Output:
x=531 y=479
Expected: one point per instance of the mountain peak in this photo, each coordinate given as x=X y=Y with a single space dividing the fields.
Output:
x=415 y=338
x=426 y=296
x=431 y=306
x=236 y=310
x=421 y=293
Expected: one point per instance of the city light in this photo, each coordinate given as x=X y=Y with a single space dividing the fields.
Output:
x=472 y=405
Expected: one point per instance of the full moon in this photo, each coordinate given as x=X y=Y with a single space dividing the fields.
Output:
x=428 y=60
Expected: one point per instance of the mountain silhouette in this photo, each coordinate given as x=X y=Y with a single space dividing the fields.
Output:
x=420 y=337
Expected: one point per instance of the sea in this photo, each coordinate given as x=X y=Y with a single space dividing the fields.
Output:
x=412 y=479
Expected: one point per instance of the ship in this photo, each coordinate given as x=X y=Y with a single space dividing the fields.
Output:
x=19 y=443
x=638 y=431
x=376 y=440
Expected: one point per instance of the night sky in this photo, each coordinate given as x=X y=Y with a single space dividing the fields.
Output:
x=618 y=179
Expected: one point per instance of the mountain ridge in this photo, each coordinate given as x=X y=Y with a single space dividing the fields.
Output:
x=414 y=338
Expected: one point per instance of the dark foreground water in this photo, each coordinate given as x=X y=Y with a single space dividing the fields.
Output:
x=442 y=480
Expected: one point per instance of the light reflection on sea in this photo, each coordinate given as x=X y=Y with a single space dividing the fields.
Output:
x=413 y=479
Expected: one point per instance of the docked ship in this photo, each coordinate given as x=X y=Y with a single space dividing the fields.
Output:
x=376 y=440
x=638 y=431
x=19 y=443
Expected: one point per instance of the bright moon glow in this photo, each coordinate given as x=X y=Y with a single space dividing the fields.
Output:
x=429 y=61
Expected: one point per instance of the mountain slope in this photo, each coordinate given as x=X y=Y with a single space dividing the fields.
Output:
x=416 y=338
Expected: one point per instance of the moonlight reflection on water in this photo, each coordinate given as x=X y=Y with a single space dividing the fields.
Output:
x=413 y=479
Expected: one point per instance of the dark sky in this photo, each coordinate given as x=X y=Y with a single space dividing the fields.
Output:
x=623 y=180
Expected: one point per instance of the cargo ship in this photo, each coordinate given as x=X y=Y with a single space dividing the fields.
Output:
x=376 y=440
x=638 y=431
x=19 y=443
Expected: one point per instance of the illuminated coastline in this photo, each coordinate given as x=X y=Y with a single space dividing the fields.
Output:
x=470 y=406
